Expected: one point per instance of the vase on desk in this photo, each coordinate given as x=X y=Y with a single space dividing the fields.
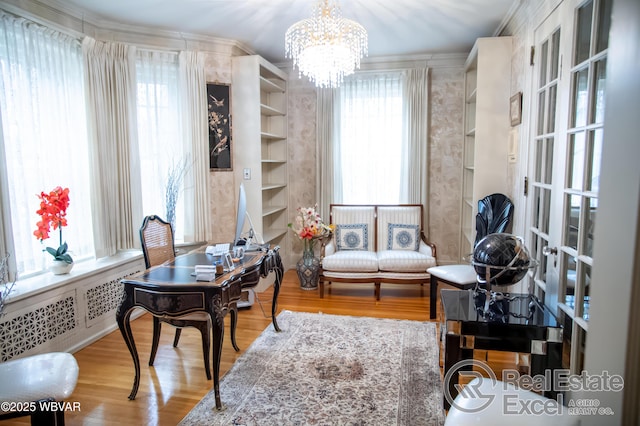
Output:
x=308 y=267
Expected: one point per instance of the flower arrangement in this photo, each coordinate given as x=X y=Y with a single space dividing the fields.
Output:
x=53 y=212
x=308 y=226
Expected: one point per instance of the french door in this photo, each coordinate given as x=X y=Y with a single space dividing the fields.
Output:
x=564 y=169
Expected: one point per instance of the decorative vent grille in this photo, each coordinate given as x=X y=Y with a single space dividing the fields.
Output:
x=104 y=299
x=25 y=332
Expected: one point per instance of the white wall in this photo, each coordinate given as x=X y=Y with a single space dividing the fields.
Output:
x=616 y=232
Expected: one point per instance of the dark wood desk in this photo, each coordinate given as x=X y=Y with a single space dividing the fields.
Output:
x=171 y=290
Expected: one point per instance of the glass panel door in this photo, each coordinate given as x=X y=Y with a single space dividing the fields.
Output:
x=587 y=74
x=567 y=140
x=544 y=148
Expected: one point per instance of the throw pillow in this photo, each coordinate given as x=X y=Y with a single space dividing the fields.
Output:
x=352 y=237
x=403 y=237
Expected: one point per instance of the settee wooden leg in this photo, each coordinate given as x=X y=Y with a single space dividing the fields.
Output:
x=377 y=291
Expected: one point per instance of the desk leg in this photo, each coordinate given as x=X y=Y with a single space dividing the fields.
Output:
x=217 y=324
x=453 y=353
x=123 y=316
x=234 y=321
x=276 y=290
x=551 y=361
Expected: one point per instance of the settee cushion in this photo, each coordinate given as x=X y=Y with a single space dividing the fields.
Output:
x=404 y=261
x=351 y=261
x=401 y=218
x=342 y=215
x=403 y=236
x=353 y=236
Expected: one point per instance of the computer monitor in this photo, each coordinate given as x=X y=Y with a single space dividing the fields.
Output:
x=251 y=242
x=240 y=216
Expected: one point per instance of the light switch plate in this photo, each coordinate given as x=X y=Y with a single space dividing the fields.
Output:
x=246 y=173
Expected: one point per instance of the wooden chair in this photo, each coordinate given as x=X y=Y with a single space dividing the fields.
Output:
x=158 y=247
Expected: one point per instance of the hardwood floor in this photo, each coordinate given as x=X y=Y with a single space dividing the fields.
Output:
x=177 y=381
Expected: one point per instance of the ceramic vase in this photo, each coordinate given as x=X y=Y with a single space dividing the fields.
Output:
x=308 y=268
x=60 y=267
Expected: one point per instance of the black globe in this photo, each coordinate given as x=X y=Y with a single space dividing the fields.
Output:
x=506 y=257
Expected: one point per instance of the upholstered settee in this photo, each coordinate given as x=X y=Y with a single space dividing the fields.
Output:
x=376 y=244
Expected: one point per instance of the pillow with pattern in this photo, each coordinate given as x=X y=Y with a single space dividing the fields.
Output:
x=403 y=237
x=352 y=237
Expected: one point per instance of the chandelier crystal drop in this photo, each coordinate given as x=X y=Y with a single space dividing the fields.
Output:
x=326 y=47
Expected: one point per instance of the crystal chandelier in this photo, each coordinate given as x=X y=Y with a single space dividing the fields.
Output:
x=326 y=47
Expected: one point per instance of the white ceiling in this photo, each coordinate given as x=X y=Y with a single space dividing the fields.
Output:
x=395 y=27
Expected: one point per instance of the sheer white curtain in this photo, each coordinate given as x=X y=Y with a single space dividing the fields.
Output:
x=415 y=160
x=110 y=85
x=328 y=170
x=371 y=139
x=172 y=137
x=42 y=105
x=193 y=86
x=159 y=138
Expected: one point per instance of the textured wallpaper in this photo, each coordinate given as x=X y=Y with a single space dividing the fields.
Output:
x=445 y=162
x=302 y=155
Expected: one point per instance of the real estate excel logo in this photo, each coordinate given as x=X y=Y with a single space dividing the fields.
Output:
x=469 y=369
x=475 y=396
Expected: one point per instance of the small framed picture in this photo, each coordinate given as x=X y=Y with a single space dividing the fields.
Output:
x=227 y=262
x=515 y=109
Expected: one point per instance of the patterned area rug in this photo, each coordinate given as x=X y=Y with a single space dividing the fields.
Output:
x=332 y=370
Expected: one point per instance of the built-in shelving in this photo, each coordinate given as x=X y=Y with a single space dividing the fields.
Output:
x=260 y=138
x=486 y=130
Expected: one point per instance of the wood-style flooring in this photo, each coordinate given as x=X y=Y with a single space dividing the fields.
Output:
x=177 y=381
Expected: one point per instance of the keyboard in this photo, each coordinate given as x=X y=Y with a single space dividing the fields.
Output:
x=218 y=249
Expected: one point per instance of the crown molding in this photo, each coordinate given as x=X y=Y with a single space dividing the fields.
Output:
x=60 y=16
x=434 y=61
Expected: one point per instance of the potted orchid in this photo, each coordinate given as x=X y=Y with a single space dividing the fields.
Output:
x=53 y=212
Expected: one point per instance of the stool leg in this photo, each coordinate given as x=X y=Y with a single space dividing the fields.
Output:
x=433 y=293
x=47 y=418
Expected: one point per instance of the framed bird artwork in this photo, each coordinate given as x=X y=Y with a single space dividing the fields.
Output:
x=219 y=117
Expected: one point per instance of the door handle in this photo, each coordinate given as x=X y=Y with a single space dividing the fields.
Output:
x=547 y=251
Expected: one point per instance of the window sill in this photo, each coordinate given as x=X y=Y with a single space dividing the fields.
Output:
x=45 y=282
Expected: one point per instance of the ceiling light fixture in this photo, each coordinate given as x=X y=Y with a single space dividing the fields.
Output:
x=326 y=47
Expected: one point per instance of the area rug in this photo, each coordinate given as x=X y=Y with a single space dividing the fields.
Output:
x=332 y=370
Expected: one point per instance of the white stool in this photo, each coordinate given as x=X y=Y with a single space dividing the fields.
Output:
x=483 y=403
x=38 y=378
x=460 y=276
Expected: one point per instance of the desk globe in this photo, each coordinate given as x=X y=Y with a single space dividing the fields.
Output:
x=501 y=259
x=506 y=257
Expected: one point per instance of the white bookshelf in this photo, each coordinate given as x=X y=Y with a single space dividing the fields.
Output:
x=259 y=120
x=486 y=130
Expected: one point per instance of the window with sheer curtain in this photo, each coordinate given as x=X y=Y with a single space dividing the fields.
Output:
x=371 y=139
x=43 y=140
x=162 y=156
